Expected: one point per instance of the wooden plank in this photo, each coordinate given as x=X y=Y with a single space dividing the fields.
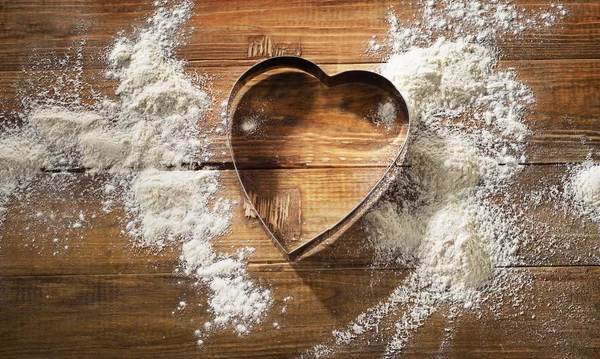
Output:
x=556 y=234
x=325 y=32
x=553 y=234
x=100 y=247
x=340 y=28
x=556 y=319
x=136 y=316
x=224 y=30
x=87 y=316
x=567 y=109
x=564 y=119
x=38 y=233
x=308 y=142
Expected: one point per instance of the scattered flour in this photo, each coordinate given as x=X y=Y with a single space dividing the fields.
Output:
x=585 y=185
x=171 y=205
x=160 y=106
x=175 y=205
x=467 y=142
x=475 y=21
x=20 y=156
x=447 y=78
x=144 y=141
x=467 y=145
x=250 y=125
x=155 y=122
x=386 y=115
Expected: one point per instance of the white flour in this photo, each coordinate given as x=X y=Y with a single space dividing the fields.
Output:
x=19 y=157
x=583 y=189
x=155 y=123
x=176 y=205
x=386 y=115
x=468 y=141
x=474 y=21
x=153 y=127
x=452 y=172
x=446 y=79
x=467 y=145
x=235 y=300
x=160 y=106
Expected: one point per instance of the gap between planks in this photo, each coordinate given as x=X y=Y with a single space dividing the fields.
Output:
x=286 y=269
x=223 y=65
x=228 y=166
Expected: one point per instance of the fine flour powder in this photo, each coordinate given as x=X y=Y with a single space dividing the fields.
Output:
x=144 y=141
x=440 y=217
x=467 y=144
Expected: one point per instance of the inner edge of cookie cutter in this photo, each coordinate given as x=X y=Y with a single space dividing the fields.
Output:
x=352 y=76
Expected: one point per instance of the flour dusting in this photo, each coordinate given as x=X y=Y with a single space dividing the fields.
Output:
x=145 y=142
x=442 y=215
x=445 y=217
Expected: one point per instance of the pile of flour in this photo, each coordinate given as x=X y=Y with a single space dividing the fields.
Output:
x=582 y=188
x=439 y=216
x=443 y=215
x=144 y=140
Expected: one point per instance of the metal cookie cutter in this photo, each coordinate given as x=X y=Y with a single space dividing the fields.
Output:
x=356 y=76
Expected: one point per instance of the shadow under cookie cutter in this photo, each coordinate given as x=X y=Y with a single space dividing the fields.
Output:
x=346 y=77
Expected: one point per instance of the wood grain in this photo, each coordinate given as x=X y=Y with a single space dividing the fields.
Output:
x=92 y=293
x=101 y=247
x=564 y=119
x=226 y=31
x=136 y=317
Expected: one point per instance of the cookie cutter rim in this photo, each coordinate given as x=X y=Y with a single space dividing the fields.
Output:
x=351 y=76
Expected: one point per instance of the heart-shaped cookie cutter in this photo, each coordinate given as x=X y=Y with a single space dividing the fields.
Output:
x=352 y=76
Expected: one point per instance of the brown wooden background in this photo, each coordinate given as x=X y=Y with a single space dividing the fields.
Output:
x=103 y=299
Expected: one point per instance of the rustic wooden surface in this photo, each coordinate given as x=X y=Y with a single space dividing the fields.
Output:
x=102 y=298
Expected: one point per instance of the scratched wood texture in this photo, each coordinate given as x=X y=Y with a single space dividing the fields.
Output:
x=102 y=297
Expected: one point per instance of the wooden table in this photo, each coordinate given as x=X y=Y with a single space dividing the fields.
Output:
x=103 y=299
